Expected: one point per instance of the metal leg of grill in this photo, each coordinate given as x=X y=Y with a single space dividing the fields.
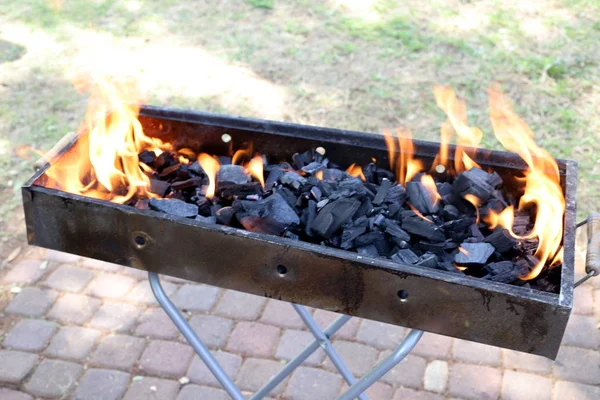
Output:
x=356 y=389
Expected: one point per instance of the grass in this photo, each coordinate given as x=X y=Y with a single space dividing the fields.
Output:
x=313 y=62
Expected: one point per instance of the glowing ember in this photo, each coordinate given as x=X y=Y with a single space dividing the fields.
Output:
x=356 y=171
x=210 y=166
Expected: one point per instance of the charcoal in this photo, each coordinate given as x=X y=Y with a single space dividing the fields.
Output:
x=204 y=206
x=311 y=215
x=371 y=187
x=147 y=157
x=331 y=174
x=448 y=266
x=365 y=208
x=293 y=179
x=459 y=225
x=501 y=240
x=500 y=267
x=504 y=277
x=349 y=234
x=322 y=203
x=378 y=220
x=188 y=183
x=420 y=227
x=369 y=238
x=288 y=195
x=232 y=175
x=142 y=204
x=158 y=187
x=313 y=167
x=436 y=248
x=496 y=203
x=302 y=159
x=370 y=173
x=475 y=254
x=405 y=256
x=349 y=187
x=316 y=193
x=361 y=221
x=369 y=250
x=476 y=235
x=396 y=194
x=272 y=215
x=207 y=220
x=444 y=189
x=174 y=207
x=291 y=235
x=195 y=169
x=420 y=198
x=239 y=190
x=474 y=182
x=450 y=245
x=170 y=171
x=428 y=260
x=392 y=229
x=224 y=160
x=164 y=160
x=383 y=191
x=450 y=212
x=393 y=210
x=274 y=177
x=494 y=180
x=331 y=217
x=225 y=215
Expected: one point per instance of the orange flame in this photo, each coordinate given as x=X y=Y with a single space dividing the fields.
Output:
x=429 y=184
x=356 y=171
x=242 y=154
x=255 y=167
x=464 y=251
x=471 y=198
x=542 y=182
x=418 y=213
x=404 y=163
x=319 y=174
x=25 y=151
x=105 y=162
x=210 y=166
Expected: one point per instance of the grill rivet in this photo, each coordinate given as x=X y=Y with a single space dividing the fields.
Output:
x=140 y=240
x=281 y=270
x=402 y=295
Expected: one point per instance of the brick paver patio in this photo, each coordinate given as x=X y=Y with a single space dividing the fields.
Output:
x=83 y=329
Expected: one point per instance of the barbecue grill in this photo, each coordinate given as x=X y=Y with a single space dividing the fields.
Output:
x=301 y=273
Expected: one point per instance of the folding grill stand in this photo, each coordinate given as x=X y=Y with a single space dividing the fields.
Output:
x=356 y=387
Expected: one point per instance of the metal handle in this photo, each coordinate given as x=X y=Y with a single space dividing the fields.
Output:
x=54 y=151
x=592 y=257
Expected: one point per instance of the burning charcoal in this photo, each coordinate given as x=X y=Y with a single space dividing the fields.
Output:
x=313 y=167
x=496 y=203
x=316 y=193
x=383 y=191
x=293 y=179
x=459 y=225
x=240 y=191
x=274 y=177
x=224 y=160
x=448 y=266
x=300 y=160
x=312 y=214
x=142 y=204
x=224 y=215
x=405 y=256
x=169 y=171
x=521 y=223
x=288 y=196
x=499 y=267
x=351 y=233
x=370 y=173
x=428 y=260
x=164 y=160
x=147 y=157
x=188 y=183
x=174 y=207
x=272 y=215
x=501 y=240
x=204 y=206
x=332 y=174
x=444 y=188
x=475 y=254
x=473 y=182
x=158 y=187
x=418 y=226
x=450 y=212
x=494 y=180
x=370 y=251
x=476 y=235
x=232 y=175
x=392 y=229
x=333 y=215
x=196 y=169
x=396 y=194
x=420 y=198
x=207 y=220
x=504 y=277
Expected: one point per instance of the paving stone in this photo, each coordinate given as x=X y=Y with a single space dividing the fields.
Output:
x=15 y=365
x=325 y=318
x=526 y=362
x=359 y=358
x=581 y=332
x=380 y=335
x=25 y=271
x=313 y=384
x=212 y=330
x=32 y=302
x=583 y=300
x=377 y=391
x=168 y=359
x=436 y=376
x=68 y=278
x=255 y=372
x=152 y=389
x=195 y=392
x=577 y=365
x=410 y=394
x=101 y=265
x=110 y=286
x=118 y=352
x=8 y=394
x=253 y=339
x=196 y=297
x=408 y=372
x=238 y=305
x=53 y=378
x=117 y=317
x=475 y=382
x=280 y=313
x=524 y=386
x=476 y=353
x=30 y=335
x=142 y=293
x=199 y=373
x=156 y=324
x=61 y=257
x=73 y=343
x=74 y=309
x=102 y=384
x=433 y=346
x=575 y=391
x=293 y=342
